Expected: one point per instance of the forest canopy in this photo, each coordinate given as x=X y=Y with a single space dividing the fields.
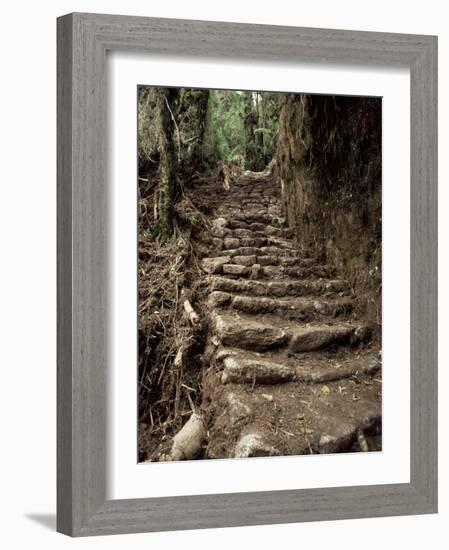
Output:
x=239 y=127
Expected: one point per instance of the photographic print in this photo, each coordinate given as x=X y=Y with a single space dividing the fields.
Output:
x=259 y=274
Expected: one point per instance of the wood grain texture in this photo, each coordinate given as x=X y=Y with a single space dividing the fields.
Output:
x=83 y=40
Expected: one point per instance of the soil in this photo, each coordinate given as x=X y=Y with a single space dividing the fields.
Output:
x=289 y=363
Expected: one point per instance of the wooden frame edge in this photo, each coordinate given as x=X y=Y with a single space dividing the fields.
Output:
x=83 y=40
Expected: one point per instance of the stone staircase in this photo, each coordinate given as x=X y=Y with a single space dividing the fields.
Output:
x=293 y=371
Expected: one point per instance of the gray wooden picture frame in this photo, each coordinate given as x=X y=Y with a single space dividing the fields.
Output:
x=83 y=40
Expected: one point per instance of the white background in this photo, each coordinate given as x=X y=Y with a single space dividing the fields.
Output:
x=27 y=218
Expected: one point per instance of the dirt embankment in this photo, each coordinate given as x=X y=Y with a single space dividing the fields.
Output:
x=329 y=166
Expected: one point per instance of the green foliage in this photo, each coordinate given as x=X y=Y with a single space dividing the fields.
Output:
x=243 y=127
x=238 y=127
x=225 y=125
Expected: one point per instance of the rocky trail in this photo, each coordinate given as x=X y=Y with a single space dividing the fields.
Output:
x=291 y=369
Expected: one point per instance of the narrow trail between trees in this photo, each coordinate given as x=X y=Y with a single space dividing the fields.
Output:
x=290 y=369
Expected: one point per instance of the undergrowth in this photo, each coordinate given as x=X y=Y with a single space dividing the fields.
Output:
x=168 y=270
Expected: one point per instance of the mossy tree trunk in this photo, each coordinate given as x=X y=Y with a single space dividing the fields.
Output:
x=200 y=101
x=263 y=125
x=250 y=125
x=165 y=103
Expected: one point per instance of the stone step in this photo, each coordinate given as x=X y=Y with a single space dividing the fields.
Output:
x=312 y=338
x=214 y=264
x=278 y=288
x=238 y=270
x=291 y=260
x=247 y=333
x=241 y=251
x=245 y=367
x=246 y=220
x=302 y=269
x=243 y=331
x=228 y=242
x=260 y=231
x=280 y=272
x=292 y=308
x=235 y=242
x=246 y=267
x=241 y=211
x=295 y=418
x=277 y=254
x=247 y=261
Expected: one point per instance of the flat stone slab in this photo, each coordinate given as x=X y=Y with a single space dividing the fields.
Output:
x=235 y=269
x=242 y=251
x=231 y=242
x=253 y=241
x=280 y=288
x=293 y=308
x=240 y=367
x=248 y=334
x=315 y=338
x=252 y=445
x=218 y=299
x=241 y=371
x=245 y=260
x=242 y=233
x=214 y=265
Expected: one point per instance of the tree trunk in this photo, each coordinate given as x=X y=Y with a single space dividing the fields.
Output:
x=165 y=99
x=201 y=99
x=249 y=123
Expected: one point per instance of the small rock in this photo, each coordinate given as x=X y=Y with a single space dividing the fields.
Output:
x=238 y=411
x=234 y=269
x=218 y=298
x=257 y=226
x=256 y=271
x=220 y=232
x=245 y=260
x=361 y=335
x=220 y=222
x=217 y=243
x=267 y=260
x=314 y=338
x=231 y=242
x=254 y=445
x=214 y=265
x=188 y=442
x=340 y=439
x=242 y=233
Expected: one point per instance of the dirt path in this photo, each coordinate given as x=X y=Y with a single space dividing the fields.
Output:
x=292 y=370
